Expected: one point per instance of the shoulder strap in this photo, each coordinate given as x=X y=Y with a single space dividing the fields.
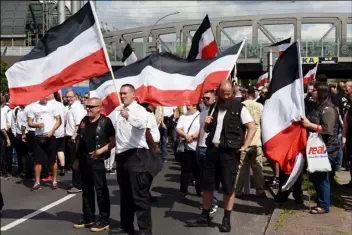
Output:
x=189 y=128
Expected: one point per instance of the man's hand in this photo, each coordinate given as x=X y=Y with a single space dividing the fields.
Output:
x=50 y=134
x=73 y=138
x=156 y=150
x=305 y=122
x=75 y=164
x=189 y=139
x=208 y=120
x=24 y=138
x=124 y=114
x=8 y=142
x=242 y=149
x=95 y=154
x=40 y=125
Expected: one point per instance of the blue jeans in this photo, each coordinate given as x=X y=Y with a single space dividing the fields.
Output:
x=321 y=182
x=163 y=142
x=201 y=157
x=339 y=156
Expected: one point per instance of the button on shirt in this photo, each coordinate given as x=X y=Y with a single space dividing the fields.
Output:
x=184 y=123
x=245 y=118
x=130 y=133
x=153 y=126
x=75 y=114
x=60 y=132
x=43 y=113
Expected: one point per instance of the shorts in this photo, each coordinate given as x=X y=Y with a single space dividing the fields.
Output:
x=60 y=144
x=220 y=166
x=45 y=148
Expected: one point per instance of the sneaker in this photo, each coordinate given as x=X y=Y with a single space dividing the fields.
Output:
x=74 y=190
x=62 y=171
x=213 y=209
x=275 y=183
x=82 y=223
x=54 y=185
x=100 y=226
x=6 y=177
x=36 y=186
x=47 y=179
x=112 y=172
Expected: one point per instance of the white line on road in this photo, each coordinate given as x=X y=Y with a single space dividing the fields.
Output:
x=37 y=212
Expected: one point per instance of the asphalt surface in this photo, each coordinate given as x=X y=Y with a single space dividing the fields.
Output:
x=169 y=213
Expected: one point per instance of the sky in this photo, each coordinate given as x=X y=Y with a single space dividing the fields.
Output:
x=131 y=14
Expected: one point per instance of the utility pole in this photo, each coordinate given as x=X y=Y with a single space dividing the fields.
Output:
x=61 y=11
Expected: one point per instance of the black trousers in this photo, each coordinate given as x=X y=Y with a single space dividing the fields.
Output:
x=1 y=201
x=134 y=192
x=70 y=155
x=189 y=167
x=296 y=188
x=3 y=157
x=21 y=150
x=94 y=178
x=9 y=151
x=30 y=138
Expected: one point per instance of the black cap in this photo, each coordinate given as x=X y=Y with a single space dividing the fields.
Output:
x=250 y=90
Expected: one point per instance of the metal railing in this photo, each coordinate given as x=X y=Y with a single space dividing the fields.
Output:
x=16 y=50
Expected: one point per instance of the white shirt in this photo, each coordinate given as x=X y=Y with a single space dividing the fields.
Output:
x=202 y=134
x=43 y=113
x=60 y=132
x=130 y=133
x=4 y=114
x=75 y=114
x=168 y=111
x=9 y=118
x=153 y=126
x=184 y=123
x=18 y=120
x=26 y=112
x=3 y=120
x=245 y=118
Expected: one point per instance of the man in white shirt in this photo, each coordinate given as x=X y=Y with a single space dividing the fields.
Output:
x=208 y=99
x=75 y=114
x=231 y=129
x=4 y=142
x=46 y=120
x=59 y=133
x=133 y=169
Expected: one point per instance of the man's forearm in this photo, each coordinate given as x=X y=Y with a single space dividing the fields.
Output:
x=5 y=133
x=249 y=137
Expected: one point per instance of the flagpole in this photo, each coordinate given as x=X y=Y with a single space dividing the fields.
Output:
x=316 y=70
x=105 y=51
x=300 y=72
x=229 y=73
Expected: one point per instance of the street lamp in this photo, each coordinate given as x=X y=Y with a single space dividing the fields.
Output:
x=150 y=32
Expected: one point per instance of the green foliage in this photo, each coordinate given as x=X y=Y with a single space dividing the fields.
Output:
x=3 y=80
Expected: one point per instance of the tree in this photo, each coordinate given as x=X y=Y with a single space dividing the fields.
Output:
x=3 y=81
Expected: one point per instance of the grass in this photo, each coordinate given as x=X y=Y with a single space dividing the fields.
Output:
x=282 y=218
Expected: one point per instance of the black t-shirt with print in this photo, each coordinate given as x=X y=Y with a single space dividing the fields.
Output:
x=88 y=141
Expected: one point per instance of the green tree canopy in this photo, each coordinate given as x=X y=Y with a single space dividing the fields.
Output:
x=3 y=81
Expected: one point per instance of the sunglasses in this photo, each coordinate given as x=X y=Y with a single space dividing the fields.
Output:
x=91 y=106
x=206 y=98
x=86 y=97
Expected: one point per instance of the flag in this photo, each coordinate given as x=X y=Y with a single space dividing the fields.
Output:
x=69 y=53
x=310 y=76
x=129 y=57
x=284 y=137
x=165 y=79
x=203 y=42
x=283 y=45
x=262 y=80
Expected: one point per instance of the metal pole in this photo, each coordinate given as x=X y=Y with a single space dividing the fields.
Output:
x=270 y=64
x=74 y=6
x=61 y=11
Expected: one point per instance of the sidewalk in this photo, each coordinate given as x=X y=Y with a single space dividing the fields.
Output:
x=290 y=219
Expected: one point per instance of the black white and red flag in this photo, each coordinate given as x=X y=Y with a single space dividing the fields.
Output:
x=128 y=57
x=203 y=42
x=69 y=53
x=283 y=45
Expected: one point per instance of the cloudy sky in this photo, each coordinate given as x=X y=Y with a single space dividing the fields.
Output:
x=130 y=14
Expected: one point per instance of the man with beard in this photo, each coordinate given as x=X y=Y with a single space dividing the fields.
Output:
x=231 y=129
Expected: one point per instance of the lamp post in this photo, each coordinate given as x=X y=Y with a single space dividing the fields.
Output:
x=150 y=32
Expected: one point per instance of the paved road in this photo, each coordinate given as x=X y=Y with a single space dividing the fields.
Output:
x=55 y=211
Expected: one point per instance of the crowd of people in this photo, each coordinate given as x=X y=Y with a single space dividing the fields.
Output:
x=215 y=141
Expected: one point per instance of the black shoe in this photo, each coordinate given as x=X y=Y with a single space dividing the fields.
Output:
x=62 y=171
x=225 y=226
x=121 y=231
x=82 y=223
x=100 y=226
x=299 y=201
x=203 y=221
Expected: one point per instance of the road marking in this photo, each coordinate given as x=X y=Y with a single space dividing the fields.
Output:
x=37 y=212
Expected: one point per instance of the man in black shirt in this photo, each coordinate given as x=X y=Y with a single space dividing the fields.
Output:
x=95 y=139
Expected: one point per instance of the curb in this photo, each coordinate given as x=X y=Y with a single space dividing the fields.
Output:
x=270 y=228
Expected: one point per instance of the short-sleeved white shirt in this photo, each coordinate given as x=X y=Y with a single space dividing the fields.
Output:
x=153 y=126
x=26 y=111
x=3 y=120
x=75 y=114
x=202 y=134
x=184 y=123
x=43 y=113
x=245 y=118
x=60 y=132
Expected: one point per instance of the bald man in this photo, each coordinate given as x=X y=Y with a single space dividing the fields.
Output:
x=96 y=138
x=231 y=130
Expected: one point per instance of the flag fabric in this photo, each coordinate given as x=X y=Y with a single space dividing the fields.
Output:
x=310 y=76
x=69 y=53
x=283 y=45
x=203 y=42
x=129 y=57
x=165 y=79
x=262 y=80
x=284 y=137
